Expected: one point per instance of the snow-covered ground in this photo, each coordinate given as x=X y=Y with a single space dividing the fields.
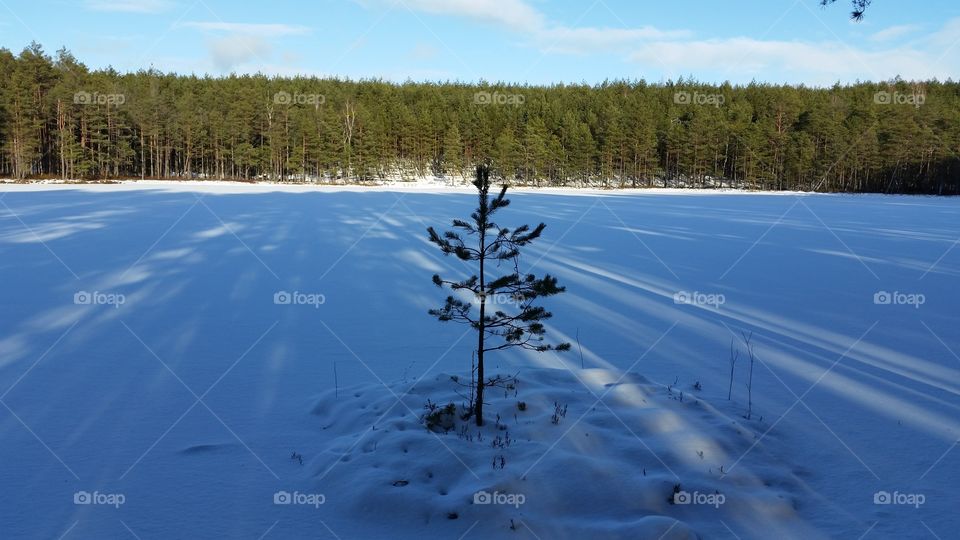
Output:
x=151 y=365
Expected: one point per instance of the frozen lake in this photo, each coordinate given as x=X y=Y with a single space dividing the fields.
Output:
x=183 y=386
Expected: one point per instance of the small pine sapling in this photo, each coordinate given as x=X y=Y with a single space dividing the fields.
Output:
x=524 y=327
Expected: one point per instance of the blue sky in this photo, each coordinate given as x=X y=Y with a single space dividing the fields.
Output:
x=536 y=41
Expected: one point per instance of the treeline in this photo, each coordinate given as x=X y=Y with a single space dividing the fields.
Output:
x=58 y=119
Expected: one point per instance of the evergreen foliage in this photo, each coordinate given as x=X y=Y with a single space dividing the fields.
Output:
x=523 y=326
x=60 y=120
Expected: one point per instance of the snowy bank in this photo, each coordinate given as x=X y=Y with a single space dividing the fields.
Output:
x=563 y=454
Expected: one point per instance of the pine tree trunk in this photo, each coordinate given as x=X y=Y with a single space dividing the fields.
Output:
x=478 y=406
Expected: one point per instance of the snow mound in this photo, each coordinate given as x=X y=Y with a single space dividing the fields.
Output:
x=562 y=455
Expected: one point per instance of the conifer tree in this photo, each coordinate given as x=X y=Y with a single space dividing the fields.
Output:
x=453 y=151
x=490 y=243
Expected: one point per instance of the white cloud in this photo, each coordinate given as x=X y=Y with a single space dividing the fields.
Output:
x=129 y=6
x=520 y=17
x=947 y=37
x=229 y=52
x=587 y=39
x=250 y=29
x=894 y=32
x=675 y=53
x=514 y=14
x=820 y=63
x=236 y=45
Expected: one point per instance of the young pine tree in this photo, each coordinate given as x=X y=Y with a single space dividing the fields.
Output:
x=490 y=243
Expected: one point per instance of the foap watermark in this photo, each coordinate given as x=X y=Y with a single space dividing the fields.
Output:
x=504 y=299
x=696 y=98
x=97 y=298
x=496 y=98
x=297 y=298
x=297 y=498
x=897 y=298
x=915 y=500
x=884 y=97
x=511 y=499
x=296 y=98
x=100 y=499
x=697 y=298
x=96 y=98
x=696 y=498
